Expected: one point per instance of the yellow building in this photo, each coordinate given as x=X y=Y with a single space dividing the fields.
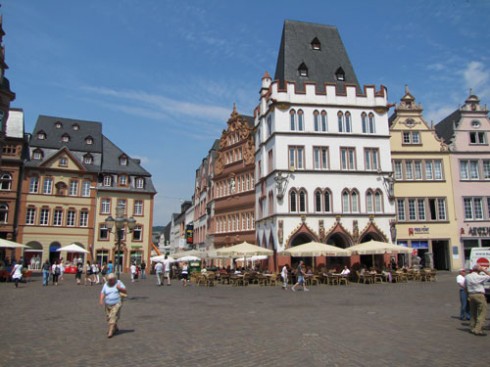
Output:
x=426 y=219
x=73 y=181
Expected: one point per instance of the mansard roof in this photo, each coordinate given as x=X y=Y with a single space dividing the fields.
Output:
x=320 y=49
x=57 y=127
x=111 y=161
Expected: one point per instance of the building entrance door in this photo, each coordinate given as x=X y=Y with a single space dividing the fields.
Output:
x=440 y=250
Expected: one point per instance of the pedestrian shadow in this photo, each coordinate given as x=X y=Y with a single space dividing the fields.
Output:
x=136 y=298
x=124 y=331
x=465 y=330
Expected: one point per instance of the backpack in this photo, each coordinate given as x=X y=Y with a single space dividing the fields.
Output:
x=57 y=270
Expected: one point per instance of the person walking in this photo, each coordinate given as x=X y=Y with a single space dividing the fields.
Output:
x=56 y=271
x=158 y=273
x=476 y=294
x=103 y=271
x=167 y=267
x=300 y=273
x=110 y=297
x=464 y=312
x=62 y=270
x=110 y=267
x=88 y=273
x=16 y=273
x=78 y=275
x=143 y=269
x=46 y=268
x=284 y=276
x=184 y=274
x=134 y=272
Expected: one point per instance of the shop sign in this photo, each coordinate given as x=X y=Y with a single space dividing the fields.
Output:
x=418 y=230
x=479 y=231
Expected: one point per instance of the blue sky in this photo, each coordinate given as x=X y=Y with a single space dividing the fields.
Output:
x=162 y=76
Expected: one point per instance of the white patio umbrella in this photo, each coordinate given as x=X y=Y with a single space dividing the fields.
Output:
x=316 y=249
x=73 y=248
x=11 y=244
x=244 y=249
x=378 y=248
x=188 y=258
x=189 y=253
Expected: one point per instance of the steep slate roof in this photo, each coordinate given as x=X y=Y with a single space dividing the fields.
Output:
x=296 y=49
x=110 y=161
x=445 y=128
x=77 y=137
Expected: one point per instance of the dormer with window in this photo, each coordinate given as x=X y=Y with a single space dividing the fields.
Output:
x=340 y=74
x=75 y=127
x=140 y=183
x=89 y=140
x=65 y=138
x=315 y=44
x=41 y=135
x=108 y=181
x=303 y=70
x=58 y=125
x=123 y=160
x=123 y=180
x=37 y=154
x=88 y=159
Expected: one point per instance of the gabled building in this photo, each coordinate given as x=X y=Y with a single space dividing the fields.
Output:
x=467 y=131
x=74 y=179
x=233 y=182
x=423 y=188
x=322 y=148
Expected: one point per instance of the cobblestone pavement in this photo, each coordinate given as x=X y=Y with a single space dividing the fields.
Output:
x=408 y=324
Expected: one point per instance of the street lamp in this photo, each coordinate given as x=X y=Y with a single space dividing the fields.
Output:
x=120 y=222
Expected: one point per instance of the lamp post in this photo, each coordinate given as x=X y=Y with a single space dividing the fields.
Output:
x=119 y=223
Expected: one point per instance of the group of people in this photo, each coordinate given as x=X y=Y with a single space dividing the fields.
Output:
x=162 y=271
x=472 y=297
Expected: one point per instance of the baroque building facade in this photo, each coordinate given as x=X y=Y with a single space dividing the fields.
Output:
x=322 y=148
x=423 y=187
x=466 y=132
x=233 y=219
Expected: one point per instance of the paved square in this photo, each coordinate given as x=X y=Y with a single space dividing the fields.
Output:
x=408 y=324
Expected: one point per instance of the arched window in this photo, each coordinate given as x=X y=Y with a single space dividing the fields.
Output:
x=292 y=201
x=316 y=122
x=302 y=201
x=6 y=182
x=58 y=125
x=4 y=213
x=345 y=201
x=65 y=138
x=301 y=126
x=41 y=135
x=348 y=123
x=369 y=202
x=378 y=202
x=364 y=122
x=354 y=201
x=88 y=159
x=340 y=119
x=292 y=120
x=318 y=201
x=327 y=201
x=372 y=127
x=324 y=121
x=89 y=140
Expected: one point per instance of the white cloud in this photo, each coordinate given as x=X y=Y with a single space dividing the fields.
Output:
x=477 y=77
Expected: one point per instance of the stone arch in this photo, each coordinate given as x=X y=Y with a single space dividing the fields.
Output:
x=338 y=236
x=54 y=255
x=33 y=256
x=302 y=234
x=372 y=232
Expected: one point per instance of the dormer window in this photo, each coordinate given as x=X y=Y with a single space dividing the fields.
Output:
x=303 y=70
x=88 y=159
x=37 y=154
x=65 y=138
x=340 y=74
x=107 y=180
x=315 y=44
x=75 y=127
x=123 y=160
x=41 y=135
x=58 y=125
x=140 y=183
x=89 y=140
x=123 y=180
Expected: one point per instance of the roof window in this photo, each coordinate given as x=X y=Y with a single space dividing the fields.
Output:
x=340 y=74
x=303 y=70
x=315 y=44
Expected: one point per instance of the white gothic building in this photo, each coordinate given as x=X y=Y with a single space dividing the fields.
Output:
x=323 y=162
